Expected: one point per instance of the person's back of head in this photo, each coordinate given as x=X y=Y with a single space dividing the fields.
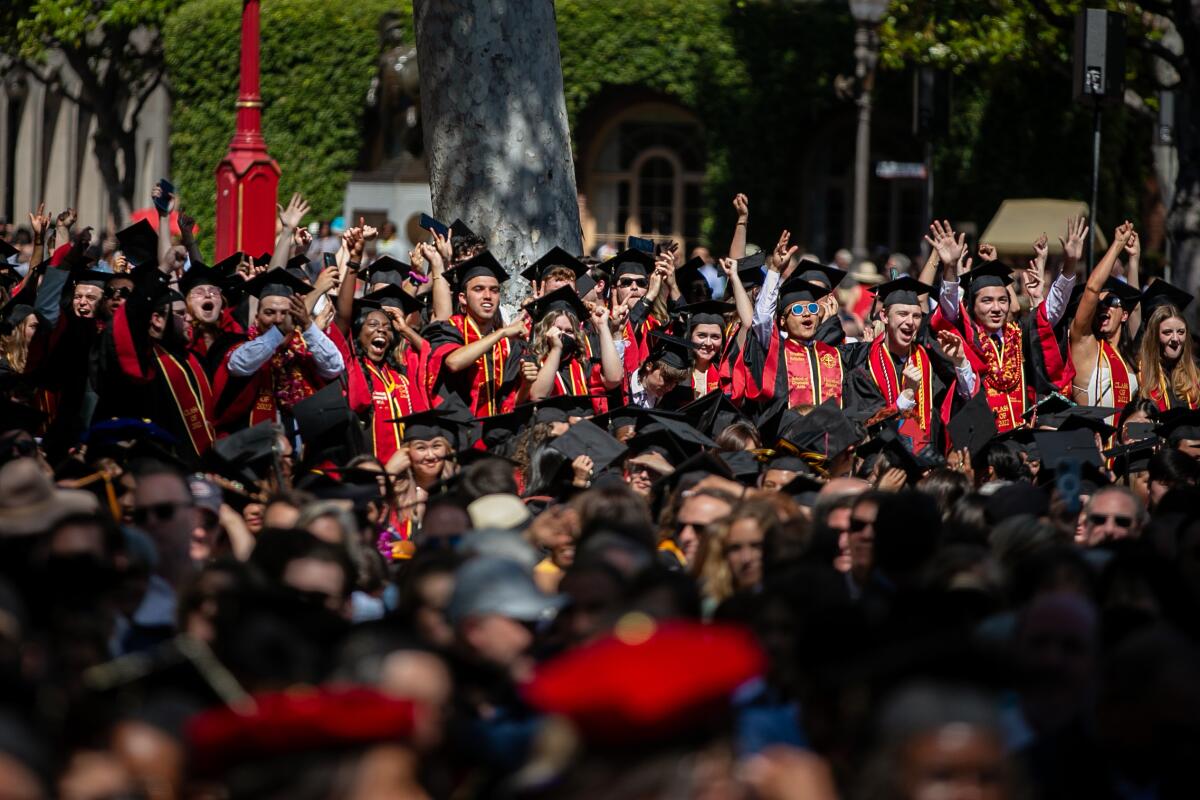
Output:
x=487 y=476
x=908 y=526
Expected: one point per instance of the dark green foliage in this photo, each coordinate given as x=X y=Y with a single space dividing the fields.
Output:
x=317 y=62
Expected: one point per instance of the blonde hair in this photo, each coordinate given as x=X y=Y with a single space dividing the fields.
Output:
x=712 y=568
x=539 y=337
x=15 y=347
x=1185 y=380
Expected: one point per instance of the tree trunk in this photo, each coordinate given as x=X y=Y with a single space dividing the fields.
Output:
x=495 y=123
x=1183 y=220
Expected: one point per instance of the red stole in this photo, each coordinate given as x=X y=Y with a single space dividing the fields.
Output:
x=813 y=373
x=916 y=423
x=391 y=396
x=191 y=401
x=570 y=380
x=247 y=401
x=712 y=382
x=1119 y=372
x=487 y=376
x=1002 y=372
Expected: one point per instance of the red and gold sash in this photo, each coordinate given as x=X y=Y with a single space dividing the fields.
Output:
x=575 y=384
x=1003 y=375
x=390 y=398
x=490 y=376
x=712 y=382
x=916 y=422
x=192 y=402
x=1118 y=372
x=814 y=374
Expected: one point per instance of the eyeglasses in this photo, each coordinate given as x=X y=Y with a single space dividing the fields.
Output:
x=1121 y=520
x=160 y=512
x=635 y=469
x=859 y=525
x=799 y=308
x=625 y=283
x=205 y=291
x=120 y=291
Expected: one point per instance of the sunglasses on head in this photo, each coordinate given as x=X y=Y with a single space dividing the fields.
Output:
x=1122 y=520
x=120 y=291
x=625 y=283
x=159 y=512
x=799 y=308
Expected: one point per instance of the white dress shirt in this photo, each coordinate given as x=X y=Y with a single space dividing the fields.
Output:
x=250 y=357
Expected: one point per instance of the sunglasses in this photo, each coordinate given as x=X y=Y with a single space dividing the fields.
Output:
x=1112 y=301
x=625 y=283
x=859 y=525
x=799 y=308
x=635 y=469
x=120 y=291
x=1122 y=520
x=159 y=512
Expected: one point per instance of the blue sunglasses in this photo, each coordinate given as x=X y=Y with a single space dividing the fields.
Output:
x=799 y=308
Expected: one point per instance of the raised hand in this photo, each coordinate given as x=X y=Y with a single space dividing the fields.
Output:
x=965 y=263
x=39 y=221
x=1041 y=250
x=555 y=335
x=741 y=205
x=1031 y=280
x=1077 y=232
x=327 y=281
x=1133 y=247
x=172 y=200
x=444 y=247
x=781 y=256
x=66 y=219
x=892 y=480
x=949 y=249
x=301 y=239
x=119 y=262
x=600 y=315
x=582 y=466
x=987 y=252
x=430 y=253
x=295 y=212
x=952 y=346
x=617 y=317
x=1123 y=232
x=187 y=225
x=912 y=377
x=368 y=232
x=299 y=312
x=516 y=329
x=729 y=267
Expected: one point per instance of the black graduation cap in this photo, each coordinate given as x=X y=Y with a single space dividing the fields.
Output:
x=1132 y=457
x=1177 y=424
x=92 y=277
x=452 y=419
x=9 y=276
x=321 y=412
x=1161 y=293
x=689 y=277
x=990 y=273
x=229 y=264
x=1058 y=446
x=484 y=263
x=499 y=429
x=587 y=439
x=701 y=464
x=262 y=260
x=386 y=269
x=900 y=455
x=1092 y=418
x=459 y=228
x=561 y=408
x=824 y=432
x=632 y=262
x=815 y=272
x=712 y=413
x=901 y=291
x=201 y=276
x=973 y=426
x=298 y=265
x=803 y=488
x=18 y=416
x=750 y=269
x=798 y=290
x=557 y=257
x=632 y=415
x=1020 y=440
x=1049 y=405
x=7 y=251
x=395 y=297
x=246 y=455
x=661 y=441
x=276 y=282
x=680 y=427
x=744 y=466
x=562 y=299
x=671 y=350
x=139 y=243
x=1128 y=295
x=706 y=312
x=584 y=284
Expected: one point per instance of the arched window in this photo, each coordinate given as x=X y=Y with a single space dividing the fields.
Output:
x=644 y=178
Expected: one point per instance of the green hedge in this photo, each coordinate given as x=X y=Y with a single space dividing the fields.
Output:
x=317 y=62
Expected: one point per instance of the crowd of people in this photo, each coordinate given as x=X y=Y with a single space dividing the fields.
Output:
x=326 y=523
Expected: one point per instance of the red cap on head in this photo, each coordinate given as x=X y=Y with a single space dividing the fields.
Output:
x=647 y=682
x=296 y=722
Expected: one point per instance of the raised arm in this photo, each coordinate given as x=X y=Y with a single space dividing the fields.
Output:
x=745 y=309
x=543 y=384
x=62 y=226
x=164 y=223
x=438 y=255
x=1133 y=261
x=463 y=357
x=737 y=247
x=290 y=219
x=39 y=223
x=188 y=238
x=950 y=251
x=612 y=369
x=1081 y=325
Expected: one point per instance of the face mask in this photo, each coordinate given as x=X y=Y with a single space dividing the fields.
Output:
x=570 y=346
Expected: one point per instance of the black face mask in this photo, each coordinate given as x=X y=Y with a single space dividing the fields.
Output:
x=570 y=347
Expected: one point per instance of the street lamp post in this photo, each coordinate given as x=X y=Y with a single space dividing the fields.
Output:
x=867 y=13
x=247 y=178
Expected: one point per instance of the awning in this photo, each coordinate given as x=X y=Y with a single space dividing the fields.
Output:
x=1019 y=223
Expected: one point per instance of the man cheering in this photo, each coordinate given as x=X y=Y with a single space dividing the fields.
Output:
x=471 y=354
x=285 y=359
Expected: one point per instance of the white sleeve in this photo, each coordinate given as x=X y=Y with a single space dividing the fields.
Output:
x=965 y=380
x=1058 y=296
x=905 y=401
x=325 y=353
x=948 y=300
x=764 y=307
x=248 y=358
